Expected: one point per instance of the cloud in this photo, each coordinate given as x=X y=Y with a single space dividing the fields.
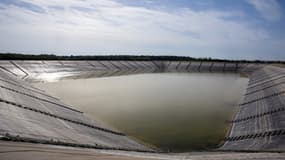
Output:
x=269 y=9
x=106 y=26
x=22 y=4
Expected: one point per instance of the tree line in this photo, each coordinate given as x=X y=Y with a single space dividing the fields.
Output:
x=17 y=56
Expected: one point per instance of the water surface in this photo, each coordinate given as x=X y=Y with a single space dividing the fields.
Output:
x=173 y=111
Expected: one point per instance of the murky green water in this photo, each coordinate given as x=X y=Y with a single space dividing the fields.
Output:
x=173 y=111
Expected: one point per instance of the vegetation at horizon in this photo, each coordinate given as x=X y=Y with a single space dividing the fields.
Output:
x=17 y=56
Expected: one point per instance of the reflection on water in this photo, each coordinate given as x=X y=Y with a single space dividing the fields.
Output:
x=173 y=111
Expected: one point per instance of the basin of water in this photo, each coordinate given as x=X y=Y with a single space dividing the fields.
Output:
x=172 y=111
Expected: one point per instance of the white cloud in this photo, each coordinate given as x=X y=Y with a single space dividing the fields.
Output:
x=108 y=26
x=269 y=9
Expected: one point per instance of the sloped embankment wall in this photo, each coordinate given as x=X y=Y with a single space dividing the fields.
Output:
x=259 y=124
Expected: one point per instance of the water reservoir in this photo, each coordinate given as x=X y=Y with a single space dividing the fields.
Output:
x=172 y=111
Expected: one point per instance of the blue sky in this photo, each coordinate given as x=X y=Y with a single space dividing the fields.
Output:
x=232 y=29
